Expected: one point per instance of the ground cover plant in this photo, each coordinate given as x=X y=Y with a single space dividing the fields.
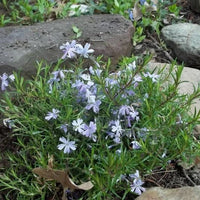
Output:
x=111 y=128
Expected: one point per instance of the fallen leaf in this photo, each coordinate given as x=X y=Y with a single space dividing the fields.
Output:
x=137 y=14
x=58 y=8
x=60 y=176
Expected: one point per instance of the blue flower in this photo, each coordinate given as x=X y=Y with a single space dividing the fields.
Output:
x=94 y=106
x=67 y=145
x=154 y=77
x=137 y=79
x=84 y=51
x=117 y=129
x=136 y=186
x=59 y=74
x=81 y=87
x=124 y=110
x=69 y=49
x=95 y=72
x=88 y=131
x=52 y=115
x=130 y=12
x=64 y=127
x=135 y=176
x=110 y=82
x=131 y=66
x=51 y=82
x=78 y=125
x=92 y=102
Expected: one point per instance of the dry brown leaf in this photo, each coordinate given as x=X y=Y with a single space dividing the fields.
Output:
x=61 y=176
x=137 y=14
x=58 y=8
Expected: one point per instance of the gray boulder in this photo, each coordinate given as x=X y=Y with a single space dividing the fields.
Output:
x=184 y=40
x=22 y=46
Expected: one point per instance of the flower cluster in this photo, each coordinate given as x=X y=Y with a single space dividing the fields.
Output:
x=84 y=129
x=78 y=126
x=91 y=95
x=105 y=106
x=87 y=92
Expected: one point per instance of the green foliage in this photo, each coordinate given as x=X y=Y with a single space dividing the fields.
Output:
x=4 y=21
x=158 y=103
x=153 y=21
x=174 y=9
x=77 y=31
x=118 y=6
x=139 y=35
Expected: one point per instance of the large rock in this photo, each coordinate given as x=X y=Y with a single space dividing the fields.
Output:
x=22 y=46
x=184 y=40
x=184 y=193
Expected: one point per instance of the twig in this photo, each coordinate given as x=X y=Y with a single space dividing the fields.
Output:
x=161 y=172
x=156 y=43
x=149 y=180
x=162 y=178
x=188 y=178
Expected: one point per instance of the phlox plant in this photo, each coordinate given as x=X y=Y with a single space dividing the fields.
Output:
x=112 y=127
